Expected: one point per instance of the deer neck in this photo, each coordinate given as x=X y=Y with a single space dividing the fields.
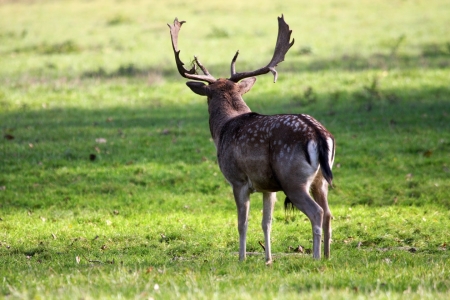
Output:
x=223 y=109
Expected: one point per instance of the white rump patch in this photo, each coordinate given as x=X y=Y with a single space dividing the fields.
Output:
x=330 y=151
x=313 y=154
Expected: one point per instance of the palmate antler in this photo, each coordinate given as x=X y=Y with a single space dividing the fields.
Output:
x=191 y=74
x=281 y=48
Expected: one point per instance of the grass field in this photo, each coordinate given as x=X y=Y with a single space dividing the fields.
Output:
x=109 y=186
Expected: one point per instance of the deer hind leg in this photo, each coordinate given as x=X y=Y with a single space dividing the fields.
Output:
x=242 y=199
x=266 y=224
x=319 y=190
x=303 y=201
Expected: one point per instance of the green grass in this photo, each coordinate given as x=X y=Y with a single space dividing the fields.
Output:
x=109 y=186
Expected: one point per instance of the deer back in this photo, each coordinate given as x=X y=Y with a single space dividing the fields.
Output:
x=267 y=150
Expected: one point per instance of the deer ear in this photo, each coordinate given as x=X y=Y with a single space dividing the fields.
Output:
x=198 y=87
x=246 y=84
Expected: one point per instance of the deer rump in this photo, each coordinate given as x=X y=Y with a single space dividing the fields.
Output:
x=267 y=150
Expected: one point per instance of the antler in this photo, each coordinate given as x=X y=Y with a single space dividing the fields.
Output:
x=281 y=48
x=191 y=74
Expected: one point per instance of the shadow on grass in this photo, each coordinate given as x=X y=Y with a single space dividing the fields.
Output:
x=53 y=150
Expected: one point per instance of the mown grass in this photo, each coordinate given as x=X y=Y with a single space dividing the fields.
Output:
x=109 y=186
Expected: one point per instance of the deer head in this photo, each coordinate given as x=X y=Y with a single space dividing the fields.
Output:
x=226 y=93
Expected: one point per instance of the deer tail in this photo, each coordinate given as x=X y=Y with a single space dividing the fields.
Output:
x=324 y=157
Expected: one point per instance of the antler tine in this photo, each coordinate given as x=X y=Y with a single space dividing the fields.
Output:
x=281 y=48
x=233 y=63
x=204 y=70
x=190 y=74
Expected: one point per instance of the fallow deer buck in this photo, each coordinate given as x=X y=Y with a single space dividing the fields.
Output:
x=260 y=153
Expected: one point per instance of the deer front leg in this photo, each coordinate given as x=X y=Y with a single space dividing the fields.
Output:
x=242 y=198
x=319 y=190
x=327 y=232
x=268 y=204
